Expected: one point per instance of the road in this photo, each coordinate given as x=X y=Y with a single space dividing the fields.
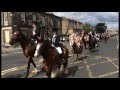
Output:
x=103 y=63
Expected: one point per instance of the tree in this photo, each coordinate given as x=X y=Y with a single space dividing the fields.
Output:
x=100 y=28
x=87 y=27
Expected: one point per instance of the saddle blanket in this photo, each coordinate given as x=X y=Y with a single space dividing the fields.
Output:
x=59 y=50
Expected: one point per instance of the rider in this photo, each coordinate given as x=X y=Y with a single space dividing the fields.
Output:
x=90 y=40
x=57 y=44
x=36 y=35
x=77 y=39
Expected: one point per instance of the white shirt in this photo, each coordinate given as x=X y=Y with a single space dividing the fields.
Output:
x=53 y=38
x=34 y=28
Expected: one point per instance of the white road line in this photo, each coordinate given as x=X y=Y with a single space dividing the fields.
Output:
x=107 y=74
x=112 y=62
x=92 y=64
x=88 y=69
x=90 y=74
x=18 y=68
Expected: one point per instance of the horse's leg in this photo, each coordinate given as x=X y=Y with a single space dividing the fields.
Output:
x=77 y=55
x=33 y=63
x=73 y=57
x=28 y=67
x=34 y=66
x=48 y=70
x=85 y=44
x=65 y=69
x=59 y=63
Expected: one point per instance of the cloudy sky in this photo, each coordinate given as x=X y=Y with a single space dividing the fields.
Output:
x=110 y=18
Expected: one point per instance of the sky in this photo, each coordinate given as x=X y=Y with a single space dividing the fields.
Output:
x=110 y=18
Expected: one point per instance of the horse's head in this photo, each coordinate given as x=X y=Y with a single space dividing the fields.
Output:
x=16 y=36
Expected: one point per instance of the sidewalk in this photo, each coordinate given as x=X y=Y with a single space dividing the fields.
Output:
x=10 y=49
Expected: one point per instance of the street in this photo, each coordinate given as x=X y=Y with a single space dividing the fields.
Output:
x=103 y=63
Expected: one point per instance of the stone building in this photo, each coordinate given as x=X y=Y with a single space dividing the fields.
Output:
x=70 y=26
x=50 y=23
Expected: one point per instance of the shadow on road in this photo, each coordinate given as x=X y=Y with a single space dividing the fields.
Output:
x=80 y=59
x=72 y=72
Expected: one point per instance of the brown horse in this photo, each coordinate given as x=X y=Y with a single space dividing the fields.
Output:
x=49 y=53
x=77 y=50
x=27 y=46
x=52 y=57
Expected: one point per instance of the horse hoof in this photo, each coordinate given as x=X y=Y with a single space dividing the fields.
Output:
x=53 y=75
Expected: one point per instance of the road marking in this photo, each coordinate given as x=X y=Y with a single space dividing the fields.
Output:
x=107 y=74
x=90 y=73
x=87 y=66
x=18 y=68
x=112 y=62
x=91 y=64
x=88 y=69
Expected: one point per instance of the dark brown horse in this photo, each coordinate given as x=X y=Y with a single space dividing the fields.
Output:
x=49 y=53
x=27 y=46
x=52 y=57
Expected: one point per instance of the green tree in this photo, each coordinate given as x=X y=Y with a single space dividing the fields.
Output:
x=87 y=27
x=100 y=27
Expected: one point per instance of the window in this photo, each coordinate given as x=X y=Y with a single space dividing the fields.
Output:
x=51 y=21
x=58 y=24
x=5 y=18
x=34 y=17
x=23 y=16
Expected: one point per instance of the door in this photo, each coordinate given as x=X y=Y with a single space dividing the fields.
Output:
x=7 y=36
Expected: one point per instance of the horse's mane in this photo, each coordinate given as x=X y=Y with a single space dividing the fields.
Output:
x=45 y=44
x=23 y=35
x=45 y=49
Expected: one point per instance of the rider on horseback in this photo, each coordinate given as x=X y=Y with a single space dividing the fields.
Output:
x=56 y=43
x=37 y=36
x=92 y=40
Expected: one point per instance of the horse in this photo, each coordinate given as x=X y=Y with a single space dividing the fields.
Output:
x=77 y=50
x=28 y=47
x=92 y=43
x=49 y=53
x=52 y=57
x=85 y=40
